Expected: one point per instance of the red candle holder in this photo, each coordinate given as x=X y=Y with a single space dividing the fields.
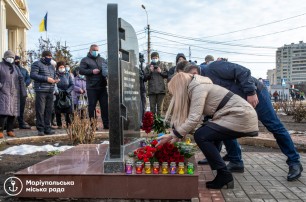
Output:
x=139 y=168
x=156 y=168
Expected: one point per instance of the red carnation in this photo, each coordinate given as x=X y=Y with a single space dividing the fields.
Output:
x=145 y=160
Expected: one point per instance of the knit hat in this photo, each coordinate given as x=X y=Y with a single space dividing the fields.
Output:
x=209 y=58
x=178 y=57
x=9 y=54
x=154 y=54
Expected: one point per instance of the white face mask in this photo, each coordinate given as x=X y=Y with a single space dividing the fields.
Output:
x=53 y=63
x=155 y=60
x=9 y=60
x=61 y=70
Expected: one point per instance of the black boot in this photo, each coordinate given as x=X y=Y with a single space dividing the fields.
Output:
x=224 y=177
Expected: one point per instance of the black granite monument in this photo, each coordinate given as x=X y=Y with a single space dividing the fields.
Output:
x=124 y=96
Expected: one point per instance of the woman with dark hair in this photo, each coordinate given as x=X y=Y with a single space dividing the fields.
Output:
x=63 y=102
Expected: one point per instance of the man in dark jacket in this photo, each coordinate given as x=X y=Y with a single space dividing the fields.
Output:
x=238 y=79
x=43 y=74
x=155 y=73
x=27 y=81
x=179 y=58
x=208 y=60
x=94 y=67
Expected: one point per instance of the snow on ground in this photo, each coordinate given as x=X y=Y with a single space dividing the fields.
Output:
x=29 y=149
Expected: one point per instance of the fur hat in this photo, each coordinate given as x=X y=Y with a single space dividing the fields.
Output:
x=9 y=54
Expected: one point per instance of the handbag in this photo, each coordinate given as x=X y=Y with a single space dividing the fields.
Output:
x=64 y=101
x=82 y=102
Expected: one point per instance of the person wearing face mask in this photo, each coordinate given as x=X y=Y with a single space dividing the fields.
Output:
x=43 y=74
x=27 y=82
x=65 y=87
x=79 y=93
x=11 y=82
x=94 y=67
x=155 y=73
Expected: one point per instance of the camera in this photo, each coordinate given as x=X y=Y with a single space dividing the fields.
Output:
x=154 y=65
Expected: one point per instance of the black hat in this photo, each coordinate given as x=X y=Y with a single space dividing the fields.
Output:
x=178 y=57
x=17 y=57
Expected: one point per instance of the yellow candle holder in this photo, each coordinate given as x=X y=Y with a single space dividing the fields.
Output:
x=188 y=140
x=147 y=168
x=165 y=168
x=181 y=168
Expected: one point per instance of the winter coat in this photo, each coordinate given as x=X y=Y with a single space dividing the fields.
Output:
x=66 y=83
x=79 y=84
x=88 y=64
x=65 y=86
x=10 y=89
x=26 y=76
x=236 y=116
x=156 y=83
x=40 y=73
x=233 y=77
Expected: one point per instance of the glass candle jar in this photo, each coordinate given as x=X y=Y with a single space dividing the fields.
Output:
x=156 y=168
x=147 y=168
x=190 y=168
x=188 y=140
x=172 y=168
x=139 y=168
x=165 y=168
x=181 y=168
x=128 y=167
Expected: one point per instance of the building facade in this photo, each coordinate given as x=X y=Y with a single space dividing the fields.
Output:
x=14 y=23
x=291 y=63
x=271 y=76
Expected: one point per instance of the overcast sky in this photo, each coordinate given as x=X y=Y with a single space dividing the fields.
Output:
x=199 y=24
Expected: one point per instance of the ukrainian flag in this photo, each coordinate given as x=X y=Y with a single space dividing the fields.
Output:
x=43 y=24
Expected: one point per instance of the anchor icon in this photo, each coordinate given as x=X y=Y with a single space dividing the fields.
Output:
x=13 y=189
x=10 y=186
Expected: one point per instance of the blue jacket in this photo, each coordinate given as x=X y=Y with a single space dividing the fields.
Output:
x=26 y=76
x=233 y=77
x=66 y=83
x=40 y=73
x=202 y=66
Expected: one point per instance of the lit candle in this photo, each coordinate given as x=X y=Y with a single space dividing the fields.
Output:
x=128 y=167
x=188 y=140
x=156 y=168
x=139 y=168
x=181 y=168
x=190 y=169
x=173 y=168
x=148 y=168
x=165 y=168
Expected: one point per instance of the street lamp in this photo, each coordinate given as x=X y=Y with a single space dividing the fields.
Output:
x=148 y=29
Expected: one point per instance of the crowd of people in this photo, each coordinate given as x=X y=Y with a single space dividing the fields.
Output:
x=221 y=95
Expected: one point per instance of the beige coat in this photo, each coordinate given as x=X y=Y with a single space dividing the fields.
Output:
x=237 y=115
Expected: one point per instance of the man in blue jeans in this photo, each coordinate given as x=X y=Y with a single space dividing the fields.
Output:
x=238 y=79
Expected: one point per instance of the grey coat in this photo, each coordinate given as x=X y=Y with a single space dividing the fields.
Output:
x=9 y=89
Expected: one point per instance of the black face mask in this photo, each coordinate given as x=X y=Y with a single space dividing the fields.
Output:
x=17 y=63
